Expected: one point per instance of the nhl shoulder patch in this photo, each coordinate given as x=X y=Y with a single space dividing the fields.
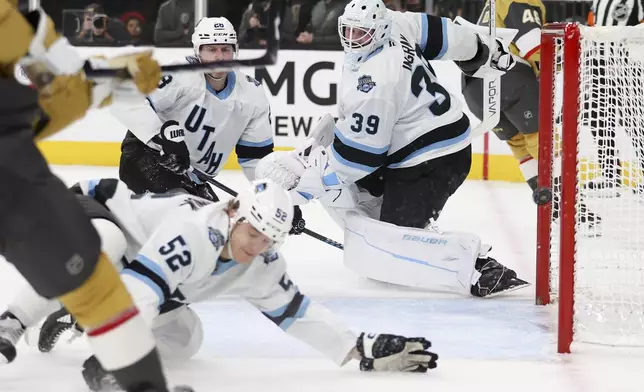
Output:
x=216 y=238
x=365 y=83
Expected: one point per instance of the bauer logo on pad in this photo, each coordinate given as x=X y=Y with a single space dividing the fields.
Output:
x=365 y=83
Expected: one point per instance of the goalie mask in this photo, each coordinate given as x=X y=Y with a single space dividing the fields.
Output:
x=363 y=27
x=268 y=208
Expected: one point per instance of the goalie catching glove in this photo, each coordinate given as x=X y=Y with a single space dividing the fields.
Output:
x=384 y=352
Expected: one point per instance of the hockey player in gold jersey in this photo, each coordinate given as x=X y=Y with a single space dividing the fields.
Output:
x=519 y=122
x=43 y=230
x=518 y=125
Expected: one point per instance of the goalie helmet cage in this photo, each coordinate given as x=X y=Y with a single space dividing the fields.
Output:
x=592 y=101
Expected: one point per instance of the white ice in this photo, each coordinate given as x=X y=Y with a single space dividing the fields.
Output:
x=501 y=344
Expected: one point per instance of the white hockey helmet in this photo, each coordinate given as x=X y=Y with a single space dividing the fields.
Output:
x=268 y=208
x=211 y=31
x=364 y=25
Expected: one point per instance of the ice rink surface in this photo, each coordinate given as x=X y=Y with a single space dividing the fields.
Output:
x=500 y=344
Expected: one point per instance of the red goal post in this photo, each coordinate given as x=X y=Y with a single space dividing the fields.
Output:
x=590 y=246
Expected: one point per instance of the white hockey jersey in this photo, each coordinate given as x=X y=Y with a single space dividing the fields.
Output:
x=392 y=110
x=174 y=242
x=215 y=123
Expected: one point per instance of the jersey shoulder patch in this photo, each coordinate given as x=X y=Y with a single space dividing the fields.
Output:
x=365 y=83
x=216 y=238
x=270 y=256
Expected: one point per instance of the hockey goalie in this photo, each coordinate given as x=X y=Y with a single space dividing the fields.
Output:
x=400 y=148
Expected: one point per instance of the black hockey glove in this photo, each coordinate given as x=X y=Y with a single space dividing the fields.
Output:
x=176 y=156
x=204 y=191
x=299 y=223
x=201 y=189
x=383 y=352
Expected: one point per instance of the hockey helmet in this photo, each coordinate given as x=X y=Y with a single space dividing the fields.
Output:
x=364 y=25
x=211 y=31
x=268 y=208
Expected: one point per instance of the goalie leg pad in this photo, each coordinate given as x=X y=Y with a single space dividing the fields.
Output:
x=351 y=200
x=411 y=257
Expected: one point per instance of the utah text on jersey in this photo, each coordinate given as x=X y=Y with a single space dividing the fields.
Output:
x=216 y=122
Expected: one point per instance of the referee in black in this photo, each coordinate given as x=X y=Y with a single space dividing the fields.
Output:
x=606 y=110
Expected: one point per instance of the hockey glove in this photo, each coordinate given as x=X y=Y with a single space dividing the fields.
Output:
x=311 y=185
x=203 y=190
x=299 y=223
x=502 y=60
x=383 y=352
x=176 y=156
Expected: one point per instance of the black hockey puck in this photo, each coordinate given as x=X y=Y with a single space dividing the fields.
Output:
x=542 y=196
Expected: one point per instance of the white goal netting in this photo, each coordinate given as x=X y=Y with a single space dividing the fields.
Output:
x=609 y=188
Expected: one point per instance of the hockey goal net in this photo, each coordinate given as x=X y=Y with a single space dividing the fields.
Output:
x=590 y=247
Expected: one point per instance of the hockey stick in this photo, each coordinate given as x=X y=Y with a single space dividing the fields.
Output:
x=269 y=57
x=194 y=173
x=491 y=83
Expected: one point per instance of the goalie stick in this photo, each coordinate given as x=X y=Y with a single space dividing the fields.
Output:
x=491 y=84
x=197 y=176
x=268 y=58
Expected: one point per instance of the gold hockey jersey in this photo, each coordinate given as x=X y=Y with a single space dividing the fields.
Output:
x=527 y=16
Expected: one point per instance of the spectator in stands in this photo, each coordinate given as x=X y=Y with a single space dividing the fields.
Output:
x=323 y=28
x=447 y=8
x=395 y=5
x=94 y=27
x=233 y=9
x=134 y=23
x=419 y=5
x=296 y=18
x=252 y=30
x=175 y=23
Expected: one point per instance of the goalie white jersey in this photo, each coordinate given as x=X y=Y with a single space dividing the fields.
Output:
x=392 y=110
x=174 y=242
x=215 y=123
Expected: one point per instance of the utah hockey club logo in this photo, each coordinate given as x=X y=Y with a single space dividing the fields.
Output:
x=365 y=83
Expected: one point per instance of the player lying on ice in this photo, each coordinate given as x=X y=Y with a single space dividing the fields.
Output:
x=400 y=148
x=179 y=249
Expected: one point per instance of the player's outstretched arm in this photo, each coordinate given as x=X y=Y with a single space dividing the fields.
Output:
x=441 y=39
x=281 y=301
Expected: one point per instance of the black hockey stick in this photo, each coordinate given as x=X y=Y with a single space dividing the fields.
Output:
x=269 y=57
x=203 y=177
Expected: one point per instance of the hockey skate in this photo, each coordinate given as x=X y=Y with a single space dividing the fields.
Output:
x=495 y=279
x=98 y=379
x=10 y=332
x=54 y=326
